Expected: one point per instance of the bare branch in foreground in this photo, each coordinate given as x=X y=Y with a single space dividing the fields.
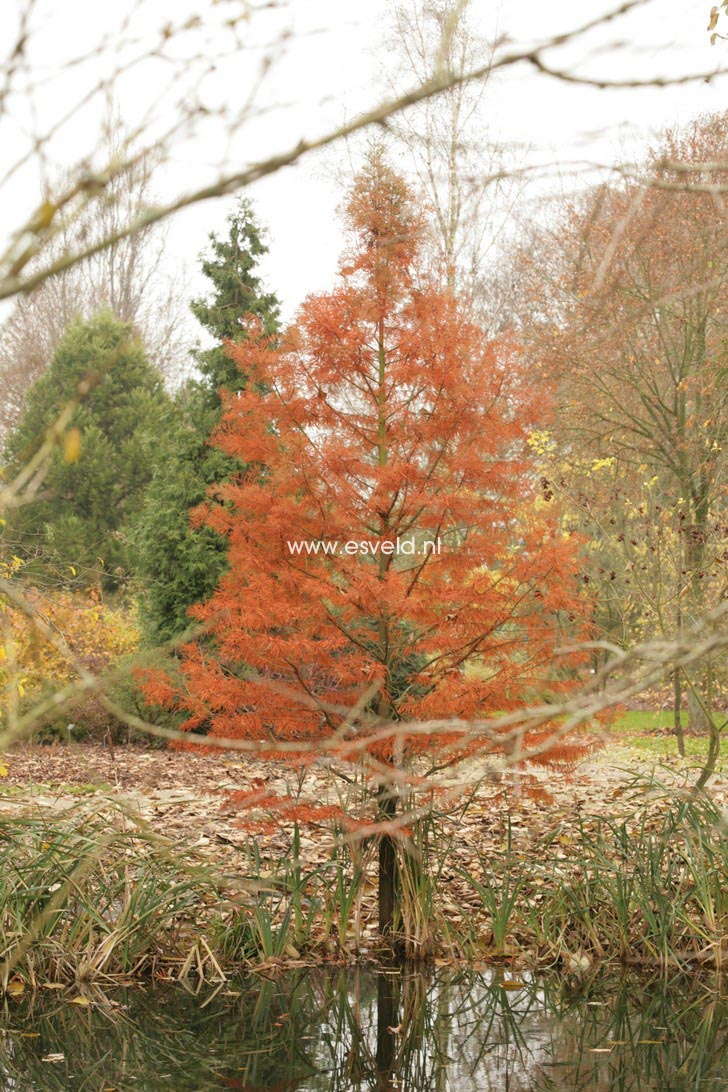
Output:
x=43 y=223
x=623 y=677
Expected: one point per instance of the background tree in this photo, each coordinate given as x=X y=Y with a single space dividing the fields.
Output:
x=636 y=337
x=383 y=416
x=126 y=277
x=237 y=296
x=182 y=564
x=94 y=489
x=465 y=174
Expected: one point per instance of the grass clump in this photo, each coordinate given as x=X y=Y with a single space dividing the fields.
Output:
x=646 y=890
x=99 y=897
x=86 y=900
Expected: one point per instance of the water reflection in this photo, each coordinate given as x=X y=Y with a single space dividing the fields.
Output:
x=358 y=1030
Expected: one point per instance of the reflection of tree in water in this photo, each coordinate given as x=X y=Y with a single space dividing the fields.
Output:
x=450 y=1030
x=356 y=1030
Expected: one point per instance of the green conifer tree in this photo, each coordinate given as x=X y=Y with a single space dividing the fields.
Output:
x=80 y=528
x=181 y=565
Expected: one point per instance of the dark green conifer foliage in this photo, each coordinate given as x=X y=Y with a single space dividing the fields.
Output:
x=181 y=565
x=237 y=295
x=89 y=503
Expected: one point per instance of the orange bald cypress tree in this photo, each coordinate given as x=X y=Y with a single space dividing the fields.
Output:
x=381 y=423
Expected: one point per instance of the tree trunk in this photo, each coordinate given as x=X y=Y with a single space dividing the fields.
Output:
x=712 y=757
x=388 y=866
x=712 y=727
x=698 y=718
x=387 y=796
x=677 y=711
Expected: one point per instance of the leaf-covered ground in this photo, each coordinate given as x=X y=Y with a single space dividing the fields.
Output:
x=186 y=795
x=185 y=798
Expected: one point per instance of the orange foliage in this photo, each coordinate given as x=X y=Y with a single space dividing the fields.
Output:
x=383 y=415
x=273 y=808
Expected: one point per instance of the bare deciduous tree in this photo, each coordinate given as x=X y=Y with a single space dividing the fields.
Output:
x=464 y=172
x=128 y=277
x=634 y=328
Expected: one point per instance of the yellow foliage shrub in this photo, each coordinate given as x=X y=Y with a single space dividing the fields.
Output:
x=96 y=633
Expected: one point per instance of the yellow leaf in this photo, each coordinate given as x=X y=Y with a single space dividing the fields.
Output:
x=72 y=445
x=80 y=1001
x=3 y=770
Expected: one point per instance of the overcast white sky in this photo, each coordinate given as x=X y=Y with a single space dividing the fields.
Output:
x=555 y=122
x=330 y=70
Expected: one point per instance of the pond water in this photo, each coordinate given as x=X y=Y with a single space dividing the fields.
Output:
x=436 y=1030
